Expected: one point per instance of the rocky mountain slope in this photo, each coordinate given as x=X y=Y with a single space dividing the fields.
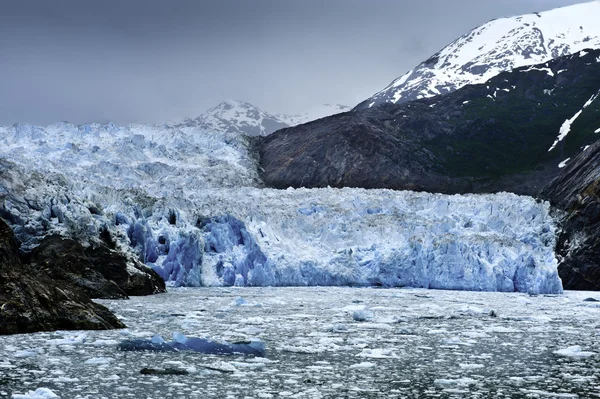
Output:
x=576 y=192
x=513 y=133
x=30 y=300
x=240 y=117
x=497 y=46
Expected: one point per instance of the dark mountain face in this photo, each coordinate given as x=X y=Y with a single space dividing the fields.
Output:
x=499 y=136
x=33 y=301
x=576 y=191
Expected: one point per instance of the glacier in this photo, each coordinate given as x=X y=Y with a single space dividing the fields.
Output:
x=190 y=204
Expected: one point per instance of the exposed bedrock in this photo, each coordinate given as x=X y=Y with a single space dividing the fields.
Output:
x=96 y=269
x=576 y=193
x=31 y=300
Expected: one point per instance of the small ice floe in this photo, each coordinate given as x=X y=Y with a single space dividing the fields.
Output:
x=363 y=365
x=338 y=328
x=378 y=353
x=99 y=361
x=300 y=349
x=454 y=341
x=574 y=351
x=248 y=365
x=363 y=315
x=242 y=302
x=63 y=379
x=473 y=310
x=26 y=353
x=221 y=367
x=545 y=394
x=461 y=382
x=475 y=334
x=470 y=366
x=182 y=343
x=40 y=393
x=501 y=329
x=104 y=342
x=70 y=340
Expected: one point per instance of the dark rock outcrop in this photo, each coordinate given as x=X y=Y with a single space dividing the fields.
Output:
x=32 y=301
x=97 y=270
x=576 y=192
x=481 y=138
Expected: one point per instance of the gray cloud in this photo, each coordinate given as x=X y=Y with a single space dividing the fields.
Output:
x=151 y=61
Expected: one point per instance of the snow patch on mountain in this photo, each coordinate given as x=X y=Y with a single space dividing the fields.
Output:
x=565 y=129
x=314 y=114
x=497 y=46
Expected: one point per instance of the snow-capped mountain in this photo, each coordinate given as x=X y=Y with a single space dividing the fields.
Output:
x=313 y=114
x=233 y=116
x=497 y=46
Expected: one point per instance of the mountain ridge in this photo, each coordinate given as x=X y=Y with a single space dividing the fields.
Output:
x=235 y=116
x=494 y=47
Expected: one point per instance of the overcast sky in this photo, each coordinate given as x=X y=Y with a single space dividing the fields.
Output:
x=153 y=61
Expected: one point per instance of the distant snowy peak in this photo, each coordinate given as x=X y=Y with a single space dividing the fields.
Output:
x=237 y=117
x=233 y=116
x=314 y=114
x=497 y=46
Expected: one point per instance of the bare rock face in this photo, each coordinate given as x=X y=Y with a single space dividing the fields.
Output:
x=97 y=270
x=31 y=301
x=505 y=135
x=576 y=192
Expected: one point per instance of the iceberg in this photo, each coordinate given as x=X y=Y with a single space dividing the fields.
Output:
x=182 y=343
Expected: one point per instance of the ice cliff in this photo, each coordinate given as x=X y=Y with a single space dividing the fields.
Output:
x=189 y=204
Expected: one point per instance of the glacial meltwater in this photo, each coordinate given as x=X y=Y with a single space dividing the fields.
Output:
x=323 y=343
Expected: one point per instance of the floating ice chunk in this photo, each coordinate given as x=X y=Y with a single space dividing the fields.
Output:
x=242 y=302
x=574 y=351
x=201 y=345
x=363 y=365
x=104 y=342
x=99 y=361
x=72 y=340
x=458 y=381
x=471 y=366
x=378 y=353
x=26 y=353
x=338 y=328
x=544 y=394
x=501 y=329
x=246 y=365
x=458 y=341
x=40 y=393
x=179 y=338
x=300 y=349
x=65 y=379
x=363 y=315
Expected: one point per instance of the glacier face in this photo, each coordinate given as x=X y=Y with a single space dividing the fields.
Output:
x=497 y=46
x=190 y=204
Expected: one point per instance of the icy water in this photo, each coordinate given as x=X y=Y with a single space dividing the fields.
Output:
x=415 y=344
